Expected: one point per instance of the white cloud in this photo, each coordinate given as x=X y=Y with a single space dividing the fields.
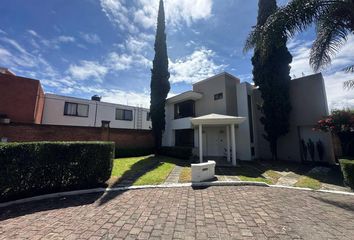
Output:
x=127 y=97
x=144 y=12
x=88 y=70
x=197 y=66
x=92 y=38
x=119 y=62
x=337 y=96
x=65 y=39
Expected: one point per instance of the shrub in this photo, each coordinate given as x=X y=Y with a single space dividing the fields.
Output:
x=29 y=169
x=176 y=152
x=133 y=152
x=347 y=167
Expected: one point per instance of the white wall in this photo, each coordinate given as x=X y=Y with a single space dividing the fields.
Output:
x=53 y=113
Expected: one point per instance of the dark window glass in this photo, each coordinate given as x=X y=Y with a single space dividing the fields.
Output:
x=218 y=96
x=148 y=116
x=184 y=138
x=123 y=114
x=184 y=109
x=76 y=109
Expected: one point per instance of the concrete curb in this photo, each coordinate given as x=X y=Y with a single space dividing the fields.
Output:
x=177 y=185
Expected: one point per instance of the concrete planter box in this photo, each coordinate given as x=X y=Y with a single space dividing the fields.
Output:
x=203 y=171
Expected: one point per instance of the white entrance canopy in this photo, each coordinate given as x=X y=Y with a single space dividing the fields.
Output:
x=218 y=119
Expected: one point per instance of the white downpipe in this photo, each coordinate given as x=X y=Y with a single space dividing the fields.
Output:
x=200 y=143
x=233 y=144
x=228 y=143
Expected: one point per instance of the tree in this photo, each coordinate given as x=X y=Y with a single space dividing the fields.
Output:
x=160 y=86
x=334 y=21
x=271 y=75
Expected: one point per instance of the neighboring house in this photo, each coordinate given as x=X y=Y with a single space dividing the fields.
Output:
x=219 y=118
x=21 y=99
x=62 y=110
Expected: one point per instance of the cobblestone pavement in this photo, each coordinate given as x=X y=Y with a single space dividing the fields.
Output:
x=185 y=213
x=174 y=175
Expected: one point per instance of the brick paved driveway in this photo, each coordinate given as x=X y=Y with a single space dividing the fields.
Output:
x=215 y=212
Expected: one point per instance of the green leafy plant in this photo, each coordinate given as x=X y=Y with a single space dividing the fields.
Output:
x=347 y=167
x=271 y=75
x=160 y=86
x=303 y=150
x=29 y=169
x=334 y=21
x=341 y=123
x=320 y=149
x=311 y=149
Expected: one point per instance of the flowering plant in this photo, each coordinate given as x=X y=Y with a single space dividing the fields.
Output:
x=338 y=121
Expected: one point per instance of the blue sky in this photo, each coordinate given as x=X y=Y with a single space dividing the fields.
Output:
x=105 y=47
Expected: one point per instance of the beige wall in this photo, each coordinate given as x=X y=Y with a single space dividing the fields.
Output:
x=309 y=104
x=221 y=83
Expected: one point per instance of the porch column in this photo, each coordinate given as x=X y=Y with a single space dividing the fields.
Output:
x=200 y=143
x=233 y=144
x=228 y=143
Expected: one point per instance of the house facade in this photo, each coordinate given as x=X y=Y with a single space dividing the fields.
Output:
x=219 y=119
x=63 y=110
x=21 y=99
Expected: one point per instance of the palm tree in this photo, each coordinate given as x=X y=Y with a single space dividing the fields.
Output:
x=334 y=21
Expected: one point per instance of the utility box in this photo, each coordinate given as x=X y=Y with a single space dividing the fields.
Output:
x=203 y=171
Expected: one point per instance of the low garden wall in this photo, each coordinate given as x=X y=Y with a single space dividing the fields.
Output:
x=29 y=169
x=123 y=138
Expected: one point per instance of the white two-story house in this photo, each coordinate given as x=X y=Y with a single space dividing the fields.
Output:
x=219 y=119
x=63 y=110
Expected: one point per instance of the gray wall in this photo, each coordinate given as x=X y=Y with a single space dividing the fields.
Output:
x=309 y=104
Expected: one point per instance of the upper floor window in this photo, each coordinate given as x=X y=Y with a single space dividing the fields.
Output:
x=76 y=109
x=218 y=96
x=124 y=114
x=148 y=116
x=184 y=109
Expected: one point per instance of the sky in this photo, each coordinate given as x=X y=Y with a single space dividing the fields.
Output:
x=85 y=47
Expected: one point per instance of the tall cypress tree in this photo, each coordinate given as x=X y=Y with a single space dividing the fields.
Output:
x=160 y=86
x=272 y=76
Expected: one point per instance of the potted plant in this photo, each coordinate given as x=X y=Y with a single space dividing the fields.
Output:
x=320 y=149
x=311 y=149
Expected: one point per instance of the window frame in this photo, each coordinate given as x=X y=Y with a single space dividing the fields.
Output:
x=218 y=96
x=124 y=115
x=77 y=107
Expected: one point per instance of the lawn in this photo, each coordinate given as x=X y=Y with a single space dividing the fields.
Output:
x=145 y=170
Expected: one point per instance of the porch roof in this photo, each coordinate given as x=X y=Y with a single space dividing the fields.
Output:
x=217 y=119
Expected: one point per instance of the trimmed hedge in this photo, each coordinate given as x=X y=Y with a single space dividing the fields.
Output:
x=176 y=152
x=133 y=152
x=29 y=169
x=347 y=167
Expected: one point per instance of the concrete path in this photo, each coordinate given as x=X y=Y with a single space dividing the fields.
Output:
x=185 y=213
x=174 y=175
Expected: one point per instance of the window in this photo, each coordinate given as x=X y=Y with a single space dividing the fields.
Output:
x=148 y=116
x=184 y=138
x=76 y=109
x=218 y=96
x=123 y=114
x=184 y=109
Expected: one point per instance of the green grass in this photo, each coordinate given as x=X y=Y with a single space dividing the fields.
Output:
x=308 y=182
x=145 y=170
x=273 y=176
x=186 y=175
x=255 y=179
x=157 y=175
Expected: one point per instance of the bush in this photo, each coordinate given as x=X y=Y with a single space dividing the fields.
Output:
x=177 y=152
x=29 y=169
x=133 y=152
x=347 y=167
